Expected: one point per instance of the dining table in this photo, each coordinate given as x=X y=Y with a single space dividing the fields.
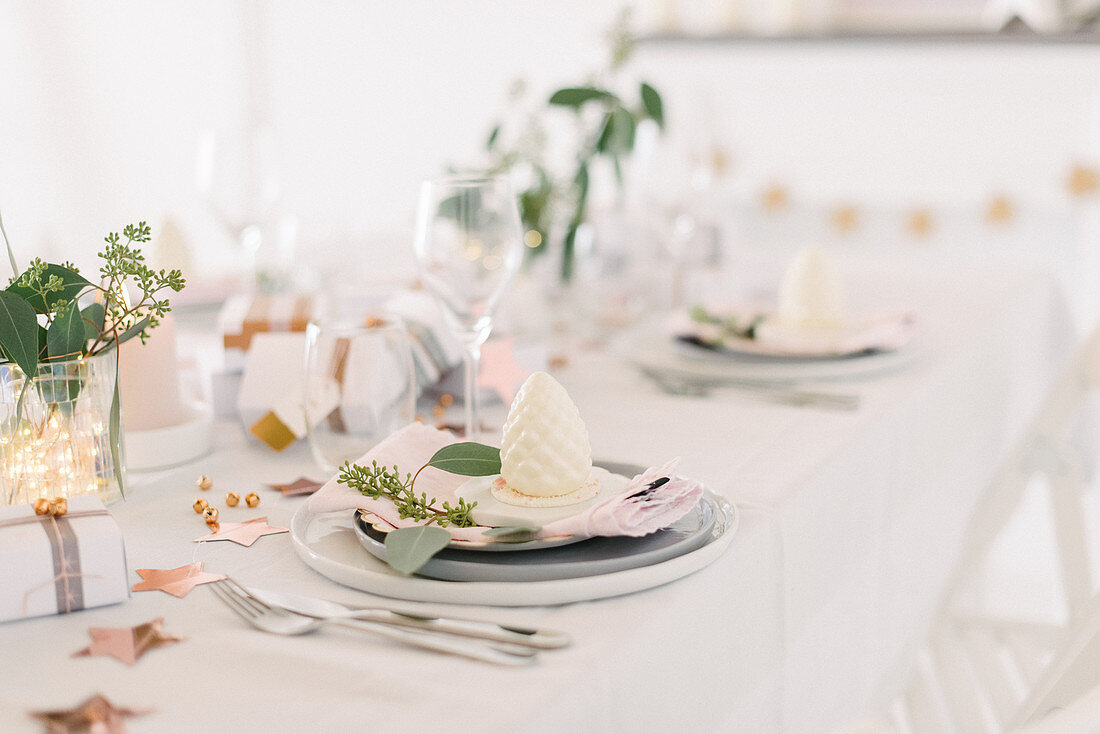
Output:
x=850 y=522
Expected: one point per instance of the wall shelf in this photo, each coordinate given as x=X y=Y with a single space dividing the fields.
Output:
x=1025 y=37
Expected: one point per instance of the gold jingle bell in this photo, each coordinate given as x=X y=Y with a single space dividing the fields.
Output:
x=54 y=508
x=252 y=499
x=210 y=515
x=204 y=482
x=232 y=499
x=200 y=505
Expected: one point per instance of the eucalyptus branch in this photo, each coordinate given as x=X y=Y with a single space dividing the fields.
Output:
x=378 y=482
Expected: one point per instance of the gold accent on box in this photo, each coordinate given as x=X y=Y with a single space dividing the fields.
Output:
x=273 y=432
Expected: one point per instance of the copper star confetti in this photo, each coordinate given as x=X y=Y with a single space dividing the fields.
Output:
x=127 y=644
x=175 y=581
x=301 y=485
x=499 y=369
x=96 y=714
x=243 y=533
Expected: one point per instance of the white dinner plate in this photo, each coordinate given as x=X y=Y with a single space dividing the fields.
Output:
x=327 y=543
x=650 y=347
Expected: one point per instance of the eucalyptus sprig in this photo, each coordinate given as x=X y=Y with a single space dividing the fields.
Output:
x=379 y=482
x=467 y=458
x=731 y=325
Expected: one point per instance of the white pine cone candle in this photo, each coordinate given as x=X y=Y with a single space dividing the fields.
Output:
x=545 y=452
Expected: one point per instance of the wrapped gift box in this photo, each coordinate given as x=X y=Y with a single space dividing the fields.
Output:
x=271 y=401
x=58 y=565
x=242 y=317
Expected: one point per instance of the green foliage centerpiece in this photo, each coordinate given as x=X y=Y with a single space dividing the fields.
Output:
x=60 y=421
x=605 y=124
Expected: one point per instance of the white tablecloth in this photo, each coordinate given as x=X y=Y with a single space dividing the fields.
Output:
x=850 y=524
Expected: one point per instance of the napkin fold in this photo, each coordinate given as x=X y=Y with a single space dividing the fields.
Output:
x=885 y=333
x=652 y=500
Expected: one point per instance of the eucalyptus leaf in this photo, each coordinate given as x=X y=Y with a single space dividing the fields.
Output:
x=93 y=316
x=133 y=330
x=19 y=332
x=72 y=285
x=468 y=459
x=492 y=138
x=114 y=436
x=604 y=138
x=408 y=549
x=11 y=255
x=651 y=100
x=576 y=96
x=512 y=534
x=66 y=336
x=622 y=132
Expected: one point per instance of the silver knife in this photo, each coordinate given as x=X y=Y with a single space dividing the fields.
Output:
x=542 y=639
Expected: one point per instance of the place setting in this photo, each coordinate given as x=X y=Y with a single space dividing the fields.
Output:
x=808 y=347
x=425 y=516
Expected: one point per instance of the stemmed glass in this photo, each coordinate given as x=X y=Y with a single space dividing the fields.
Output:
x=469 y=244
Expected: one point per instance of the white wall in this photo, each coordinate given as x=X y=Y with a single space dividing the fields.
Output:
x=103 y=104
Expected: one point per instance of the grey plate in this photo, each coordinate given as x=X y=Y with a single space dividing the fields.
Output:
x=590 y=557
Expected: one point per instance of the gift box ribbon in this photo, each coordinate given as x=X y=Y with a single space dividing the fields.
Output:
x=270 y=314
x=66 y=557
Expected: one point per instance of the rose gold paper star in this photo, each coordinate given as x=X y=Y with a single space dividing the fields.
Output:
x=96 y=714
x=301 y=485
x=499 y=370
x=127 y=644
x=1083 y=180
x=243 y=533
x=175 y=581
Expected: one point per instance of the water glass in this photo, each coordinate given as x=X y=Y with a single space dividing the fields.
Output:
x=360 y=386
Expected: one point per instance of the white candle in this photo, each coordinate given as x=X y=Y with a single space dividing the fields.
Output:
x=149 y=381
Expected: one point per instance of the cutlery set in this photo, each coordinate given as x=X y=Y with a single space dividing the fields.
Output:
x=282 y=614
x=771 y=391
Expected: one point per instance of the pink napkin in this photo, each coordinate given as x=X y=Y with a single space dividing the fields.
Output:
x=638 y=510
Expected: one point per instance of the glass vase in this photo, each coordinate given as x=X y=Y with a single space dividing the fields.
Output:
x=58 y=443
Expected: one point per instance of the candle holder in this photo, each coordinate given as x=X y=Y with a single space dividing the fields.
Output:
x=58 y=442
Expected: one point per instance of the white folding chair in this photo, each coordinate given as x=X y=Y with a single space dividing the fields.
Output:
x=979 y=670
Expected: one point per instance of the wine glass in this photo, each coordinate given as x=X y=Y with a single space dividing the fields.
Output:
x=469 y=244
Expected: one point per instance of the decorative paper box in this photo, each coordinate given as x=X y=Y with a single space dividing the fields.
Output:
x=271 y=401
x=242 y=317
x=58 y=565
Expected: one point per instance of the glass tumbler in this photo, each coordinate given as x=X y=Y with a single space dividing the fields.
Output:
x=360 y=386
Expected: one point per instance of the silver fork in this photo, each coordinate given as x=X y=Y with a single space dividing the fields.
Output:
x=281 y=622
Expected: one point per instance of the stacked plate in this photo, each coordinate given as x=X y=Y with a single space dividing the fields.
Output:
x=348 y=549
